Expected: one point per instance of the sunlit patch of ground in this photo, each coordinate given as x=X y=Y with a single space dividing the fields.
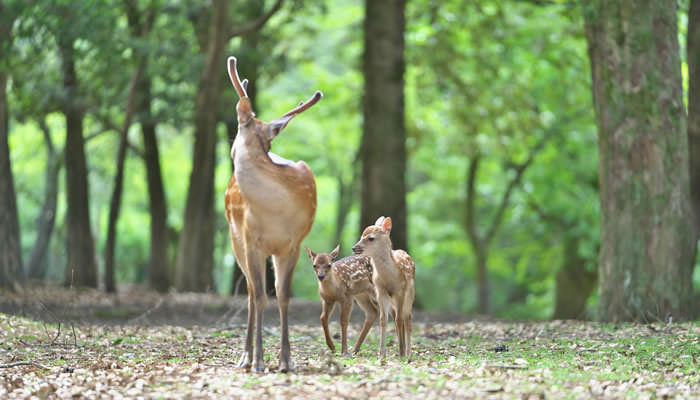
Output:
x=474 y=359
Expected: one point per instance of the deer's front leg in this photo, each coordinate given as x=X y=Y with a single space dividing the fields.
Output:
x=248 y=349
x=326 y=311
x=345 y=310
x=284 y=272
x=256 y=267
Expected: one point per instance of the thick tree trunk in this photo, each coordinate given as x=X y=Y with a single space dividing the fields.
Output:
x=80 y=267
x=11 y=272
x=36 y=266
x=383 y=146
x=574 y=284
x=195 y=250
x=693 y=57
x=159 y=270
x=646 y=232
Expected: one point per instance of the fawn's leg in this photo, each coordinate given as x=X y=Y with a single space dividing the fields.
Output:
x=345 y=310
x=409 y=327
x=400 y=328
x=384 y=310
x=326 y=311
x=284 y=272
x=370 y=310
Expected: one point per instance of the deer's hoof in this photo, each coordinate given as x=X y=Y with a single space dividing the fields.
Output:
x=244 y=362
x=286 y=366
x=258 y=367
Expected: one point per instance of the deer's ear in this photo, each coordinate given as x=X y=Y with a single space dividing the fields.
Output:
x=310 y=253
x=274 y=128
x=386 y=225
x=379 y=221
x=334 y=253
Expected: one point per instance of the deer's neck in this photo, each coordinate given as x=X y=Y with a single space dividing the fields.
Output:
x=254 y=169
x=383 y=264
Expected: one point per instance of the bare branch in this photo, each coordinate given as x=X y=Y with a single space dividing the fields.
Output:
x=257 y=24
x=20 y=363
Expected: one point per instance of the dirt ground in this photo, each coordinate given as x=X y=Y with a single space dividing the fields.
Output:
x=57 y=343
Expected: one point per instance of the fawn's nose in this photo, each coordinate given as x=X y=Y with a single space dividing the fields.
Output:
x=357 y=249
x=320 y=277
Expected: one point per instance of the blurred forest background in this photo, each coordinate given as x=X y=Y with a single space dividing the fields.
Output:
x=119 y=117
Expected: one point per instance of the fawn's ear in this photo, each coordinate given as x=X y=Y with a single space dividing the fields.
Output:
x=386 y=225
x=334 y=253
x=310 y=253
x=379 y=221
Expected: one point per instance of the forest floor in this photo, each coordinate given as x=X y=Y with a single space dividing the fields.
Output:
x=57 y=343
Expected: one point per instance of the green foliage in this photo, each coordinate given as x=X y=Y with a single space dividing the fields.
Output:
x=489 y=78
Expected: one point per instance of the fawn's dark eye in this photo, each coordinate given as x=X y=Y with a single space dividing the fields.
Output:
x=315 y=266
x=371 y=238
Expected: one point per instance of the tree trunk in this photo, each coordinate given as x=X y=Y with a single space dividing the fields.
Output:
x=36 y=266
x=646 y=232
x=80 y=267
x=11 y=272
x=195 y=250
x=116 y=199
x=159 y=269
x=693 y=57
x=383 y=190
x=574 y=284
x=482 y=279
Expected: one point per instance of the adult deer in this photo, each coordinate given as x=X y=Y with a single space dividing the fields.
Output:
x=270 y=207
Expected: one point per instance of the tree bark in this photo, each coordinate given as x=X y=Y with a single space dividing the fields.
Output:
x=11 y=272
x=574 y=284
x=81 y=269
x=36 y=266
x=693 y=57
x=383 y=148
x=195 y=250
x=159 y=269
x=646 y=230
x=159 y=265
x=116 y=199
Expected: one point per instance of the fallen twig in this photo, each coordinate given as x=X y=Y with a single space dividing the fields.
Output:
x=147 y=312
x=51 y=343
x=502 y=366
x=20 y=363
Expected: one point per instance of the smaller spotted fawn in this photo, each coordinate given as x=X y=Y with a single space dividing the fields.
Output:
x=342 y=281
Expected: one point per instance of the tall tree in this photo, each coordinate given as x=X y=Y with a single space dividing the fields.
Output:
x=646 y=253
x=47 y=217
x=693 y=57
x=193 y=266
x=81 y=269
x=11 y=271
x=383 y=148
x=159 y=265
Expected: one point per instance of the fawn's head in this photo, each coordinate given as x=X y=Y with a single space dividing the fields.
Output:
x=322 y=261
x=248 y=125
x=375 y=238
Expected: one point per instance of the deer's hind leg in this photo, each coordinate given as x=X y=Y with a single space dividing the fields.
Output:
x=366 y=304
x=284 y=272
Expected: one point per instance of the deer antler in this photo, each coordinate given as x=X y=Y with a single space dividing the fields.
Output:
x=304 y=105
x=235 y=79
